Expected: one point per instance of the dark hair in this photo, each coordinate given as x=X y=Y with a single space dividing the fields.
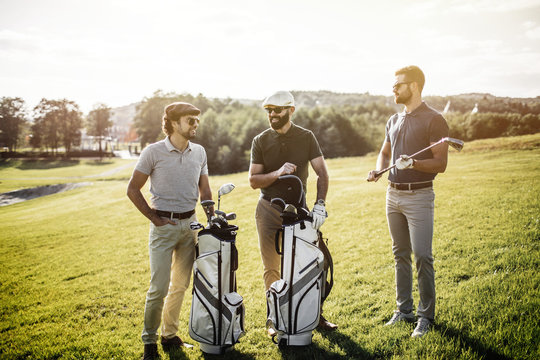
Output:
x=413 y=73
x=173 y=112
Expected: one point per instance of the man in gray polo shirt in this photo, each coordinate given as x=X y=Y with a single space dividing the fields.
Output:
x=178 y=172
x=410 y=197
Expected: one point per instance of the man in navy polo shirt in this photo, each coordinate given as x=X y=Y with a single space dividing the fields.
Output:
x=410 y=197
x=284 y=149
x=178 y=172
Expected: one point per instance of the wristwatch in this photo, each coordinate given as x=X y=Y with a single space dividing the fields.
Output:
x=320 y=202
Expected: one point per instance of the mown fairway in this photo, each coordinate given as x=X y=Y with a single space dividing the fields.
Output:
x=75 y=265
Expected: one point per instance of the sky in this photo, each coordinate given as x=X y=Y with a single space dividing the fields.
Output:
x=117 y=52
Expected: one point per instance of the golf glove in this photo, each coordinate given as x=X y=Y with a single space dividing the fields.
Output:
x=318 y=214
x=404 y=162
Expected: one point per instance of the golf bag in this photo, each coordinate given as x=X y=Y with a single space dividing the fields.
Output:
x=294 y=302
x=217 y=311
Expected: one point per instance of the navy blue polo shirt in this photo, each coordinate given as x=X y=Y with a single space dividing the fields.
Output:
x=272 y=149
x=409 y=133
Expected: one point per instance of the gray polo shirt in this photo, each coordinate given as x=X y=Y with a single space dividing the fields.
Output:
x=409 y=133
x=174 y=175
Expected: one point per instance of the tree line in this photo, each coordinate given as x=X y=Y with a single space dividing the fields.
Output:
x=344 y=124
x=54 y=124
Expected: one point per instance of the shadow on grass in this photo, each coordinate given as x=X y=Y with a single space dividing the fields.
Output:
x=100 y=162
x=480 y=349
x=313 y=351
x=350 y=346
x=45 y=164
x=230 y=354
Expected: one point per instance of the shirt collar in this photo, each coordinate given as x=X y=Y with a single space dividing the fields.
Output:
x=420 y=108
x=170 y=147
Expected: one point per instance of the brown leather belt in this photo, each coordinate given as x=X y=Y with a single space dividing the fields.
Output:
x=411 y=186
x=173 y=215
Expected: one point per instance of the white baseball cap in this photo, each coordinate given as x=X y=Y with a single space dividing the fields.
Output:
x=279 y=98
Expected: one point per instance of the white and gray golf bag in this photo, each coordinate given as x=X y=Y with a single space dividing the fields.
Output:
x=217 y=311
x=294 y=302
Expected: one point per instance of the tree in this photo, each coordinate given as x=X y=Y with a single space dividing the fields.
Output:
x=99 y=122
x=71 y=122
x=12 y=120
x=149 y=115
x=56 y=122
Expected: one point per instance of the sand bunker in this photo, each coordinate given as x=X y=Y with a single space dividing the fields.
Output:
x=17 y=196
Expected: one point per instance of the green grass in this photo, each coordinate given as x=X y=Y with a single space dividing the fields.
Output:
x=19 y=174
x=75 y=265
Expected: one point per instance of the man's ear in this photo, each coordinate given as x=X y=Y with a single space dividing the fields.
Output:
x=292 y=109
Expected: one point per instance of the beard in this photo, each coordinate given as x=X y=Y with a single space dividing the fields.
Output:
x=187 y=135
x=282 y=120
x=404 y=97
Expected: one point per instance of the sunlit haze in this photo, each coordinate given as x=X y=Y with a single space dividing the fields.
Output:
x=117 y=52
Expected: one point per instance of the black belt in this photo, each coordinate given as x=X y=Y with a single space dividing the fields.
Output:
x=173 y=215
x=411 y=186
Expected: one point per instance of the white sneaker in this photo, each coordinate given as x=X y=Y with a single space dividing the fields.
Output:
x=423 y=326
x=399 y=316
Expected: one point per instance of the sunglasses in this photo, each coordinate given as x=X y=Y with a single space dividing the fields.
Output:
x=398 y=84
x=191 y=121
x=277 y=109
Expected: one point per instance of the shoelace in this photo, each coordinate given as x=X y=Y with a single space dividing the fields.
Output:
x=423 y=325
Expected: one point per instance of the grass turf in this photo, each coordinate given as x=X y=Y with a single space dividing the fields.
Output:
x=75 y=264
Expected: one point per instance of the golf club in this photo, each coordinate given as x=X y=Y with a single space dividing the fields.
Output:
x=455 y=143
x=223 y=190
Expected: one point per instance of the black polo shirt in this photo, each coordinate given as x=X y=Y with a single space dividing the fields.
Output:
x=409 y=133
x=272 y=149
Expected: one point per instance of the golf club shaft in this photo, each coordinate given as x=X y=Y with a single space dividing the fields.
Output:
x=380 y=172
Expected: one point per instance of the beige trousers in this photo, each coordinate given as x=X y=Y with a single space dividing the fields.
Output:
x=268 y=223
x=172 y=252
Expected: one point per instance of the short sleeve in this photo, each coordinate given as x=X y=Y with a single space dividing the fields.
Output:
x=314 y=148
x=256 y=155
x=438 y=128
x=145 y=162
x=204 y=165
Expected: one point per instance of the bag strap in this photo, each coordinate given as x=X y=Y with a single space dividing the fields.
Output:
x=276 y=241
x=328 y=265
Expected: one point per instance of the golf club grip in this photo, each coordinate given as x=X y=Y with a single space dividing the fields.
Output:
x=380 y=172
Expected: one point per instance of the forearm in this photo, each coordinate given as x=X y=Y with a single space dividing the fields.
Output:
x=258 y=181
x=432 y=166
x=383 y=160
x=140 y=203
x=322 y=186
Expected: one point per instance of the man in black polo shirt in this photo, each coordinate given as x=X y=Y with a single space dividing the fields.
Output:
x=283 y=149
x=410 y=197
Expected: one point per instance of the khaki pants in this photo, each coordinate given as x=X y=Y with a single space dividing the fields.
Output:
x=268 y=223
x=410 y=220
x=172 y=252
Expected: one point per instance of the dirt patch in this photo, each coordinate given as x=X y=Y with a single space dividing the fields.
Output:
x=17 y=196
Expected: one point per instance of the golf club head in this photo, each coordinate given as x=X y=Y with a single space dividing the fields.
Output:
x=196 y=225
x=225 y=189
x=219 y=213
x=455 y=143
